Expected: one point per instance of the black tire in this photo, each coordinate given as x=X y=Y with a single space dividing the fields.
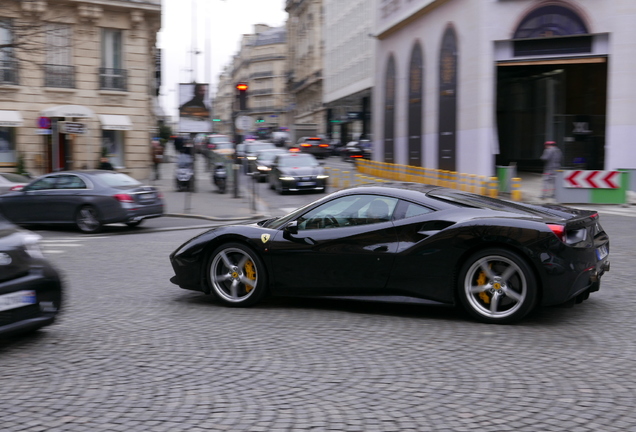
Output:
x=230 y=268
x=134 y=224
x=497 y=286
x=87 y=220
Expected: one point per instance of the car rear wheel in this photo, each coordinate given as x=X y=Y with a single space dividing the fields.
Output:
x=87 y=220
x=236 y=275
x=497 y=286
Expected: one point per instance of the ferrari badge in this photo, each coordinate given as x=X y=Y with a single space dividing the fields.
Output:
x=264 y=237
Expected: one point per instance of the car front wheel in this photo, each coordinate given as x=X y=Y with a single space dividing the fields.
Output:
x=87 y=220
x=236 y=275
x=497 y=286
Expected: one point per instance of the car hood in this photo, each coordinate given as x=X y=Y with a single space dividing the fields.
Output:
x=301 y=171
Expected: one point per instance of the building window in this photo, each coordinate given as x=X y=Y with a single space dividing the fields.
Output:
x=113 y=147
x=8 y=65
x=58 y=70
x=7 y=144
x=112 y=76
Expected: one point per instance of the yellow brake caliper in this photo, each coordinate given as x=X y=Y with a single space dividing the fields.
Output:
x=481 y=280
x=250 y=273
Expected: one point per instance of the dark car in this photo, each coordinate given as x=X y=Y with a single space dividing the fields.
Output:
x=263 y=162
x=246 y=153
x=88 y=199
x=496 y=258
x=30 y=288
x=294 y=172
x=315 y=146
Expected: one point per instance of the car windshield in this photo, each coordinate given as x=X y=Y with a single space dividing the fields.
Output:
x=117 y=179
x=298 y=160
x=218 y=140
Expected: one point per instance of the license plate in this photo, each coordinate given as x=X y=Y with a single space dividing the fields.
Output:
x=602 y=252
x=147 y=197
x=306 y=183
x=17 y=299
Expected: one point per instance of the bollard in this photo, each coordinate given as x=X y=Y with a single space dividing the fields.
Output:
x=493 y=187
x=472 y=183
x=346 y=180
x=516 y=189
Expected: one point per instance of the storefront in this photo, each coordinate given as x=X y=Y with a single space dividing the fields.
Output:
x=9 y=122
x=466 y=86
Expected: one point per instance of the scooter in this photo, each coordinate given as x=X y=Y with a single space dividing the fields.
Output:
x=219 y=176
x=185 y=173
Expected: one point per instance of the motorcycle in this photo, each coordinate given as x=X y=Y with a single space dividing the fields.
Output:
x=219 y=176
x=185 y=173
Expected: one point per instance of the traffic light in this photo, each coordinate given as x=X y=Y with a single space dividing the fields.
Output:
x=242 y=95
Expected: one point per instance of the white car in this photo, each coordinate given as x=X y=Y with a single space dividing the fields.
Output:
x=9 y=181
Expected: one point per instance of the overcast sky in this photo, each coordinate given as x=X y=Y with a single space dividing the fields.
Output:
x=222 y=23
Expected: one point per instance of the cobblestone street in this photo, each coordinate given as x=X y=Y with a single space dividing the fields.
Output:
x=132 y=352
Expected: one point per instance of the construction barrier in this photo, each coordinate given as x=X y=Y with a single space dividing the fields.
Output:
x=376 y=171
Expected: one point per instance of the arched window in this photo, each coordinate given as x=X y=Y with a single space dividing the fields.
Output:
x=447 y=112
x=389 y=111
x=415 y=105
x=550 y=21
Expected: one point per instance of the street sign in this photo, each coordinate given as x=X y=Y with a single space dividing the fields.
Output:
x=244 y=122
x=72 y=128
x=44 y=123
x=591 y=179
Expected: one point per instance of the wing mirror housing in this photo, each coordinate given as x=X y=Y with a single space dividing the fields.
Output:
x=292 y=227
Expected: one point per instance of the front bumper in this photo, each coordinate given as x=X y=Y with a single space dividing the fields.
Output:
x=47 y=285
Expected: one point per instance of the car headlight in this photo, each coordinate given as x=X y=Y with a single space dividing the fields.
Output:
x=32 y=245
x=322 y=176
x=286 y=178
x=263 y=168
x=251 y=158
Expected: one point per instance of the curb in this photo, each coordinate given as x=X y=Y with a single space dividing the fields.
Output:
x=214 y=218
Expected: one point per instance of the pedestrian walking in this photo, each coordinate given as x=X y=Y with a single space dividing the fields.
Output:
x=551 y=158
x=104 y=164
x=157 y=156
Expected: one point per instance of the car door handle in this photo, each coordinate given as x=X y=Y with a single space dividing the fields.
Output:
x=383 y=248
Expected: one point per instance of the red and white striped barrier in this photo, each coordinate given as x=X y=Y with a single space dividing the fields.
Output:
x=591 y=179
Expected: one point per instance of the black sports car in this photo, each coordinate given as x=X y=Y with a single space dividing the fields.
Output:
x=295 y=172
x=496 y=258
x=30 y=289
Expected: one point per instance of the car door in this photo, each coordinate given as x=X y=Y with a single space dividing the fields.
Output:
x=30 y=204
x=337 y=248
x=65 y=199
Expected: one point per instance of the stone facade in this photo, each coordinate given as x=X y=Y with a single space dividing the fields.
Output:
x=261 y=62
x=305 y=55
x=90 y=62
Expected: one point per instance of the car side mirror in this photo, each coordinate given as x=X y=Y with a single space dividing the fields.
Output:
x=292 y=227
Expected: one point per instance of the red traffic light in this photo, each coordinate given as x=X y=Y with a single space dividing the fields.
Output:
x=241 y=86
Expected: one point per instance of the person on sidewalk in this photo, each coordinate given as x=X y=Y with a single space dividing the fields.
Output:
x=551 y=158
x=104 y=164
x=157 y=156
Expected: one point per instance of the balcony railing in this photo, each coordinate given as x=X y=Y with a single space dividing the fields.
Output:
x=113 y=79
x=8 y=72
x=59 y=76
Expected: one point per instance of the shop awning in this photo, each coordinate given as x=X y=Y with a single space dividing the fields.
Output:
x=115 y=122
x=10 y=119
x=76 y=111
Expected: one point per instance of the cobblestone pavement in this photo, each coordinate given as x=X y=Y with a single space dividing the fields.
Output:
x=133 y=352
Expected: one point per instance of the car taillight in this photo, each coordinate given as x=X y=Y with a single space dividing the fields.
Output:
x=125 y=198
x=323 y=145
x=558 y=230
x=17 y=188
x=159 y=195
x=294 y=150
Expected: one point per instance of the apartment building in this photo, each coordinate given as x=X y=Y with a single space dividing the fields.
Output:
x=78 y=80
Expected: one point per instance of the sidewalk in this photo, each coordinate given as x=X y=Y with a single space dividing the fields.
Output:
x=206 y=203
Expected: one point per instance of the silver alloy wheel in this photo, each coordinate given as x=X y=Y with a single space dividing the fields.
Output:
x=234 y=275
x=495 y=287
x=87 y=220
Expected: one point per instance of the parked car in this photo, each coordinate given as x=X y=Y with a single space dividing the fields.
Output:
x=30 y=288
x=294 y=172
x=219 y=147
x=315 y=146
x=11 y=181
x=88 y=198
x=498 y=259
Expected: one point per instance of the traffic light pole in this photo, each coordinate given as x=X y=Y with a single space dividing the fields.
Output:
x=235 y=162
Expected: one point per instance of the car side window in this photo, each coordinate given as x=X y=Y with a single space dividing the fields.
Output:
x=408 y=209
x=70 y=182
x=349 y=211
x=42 y=184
